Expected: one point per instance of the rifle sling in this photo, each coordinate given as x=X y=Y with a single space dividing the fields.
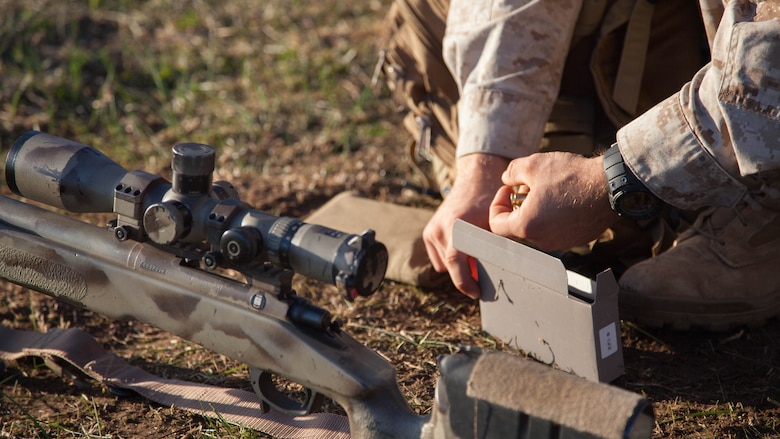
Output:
x=80 y=350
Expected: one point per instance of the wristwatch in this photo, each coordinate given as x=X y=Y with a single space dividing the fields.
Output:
x=627 y=195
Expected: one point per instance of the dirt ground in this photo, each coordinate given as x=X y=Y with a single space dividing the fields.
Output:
x=315 y=143
x=702 y=385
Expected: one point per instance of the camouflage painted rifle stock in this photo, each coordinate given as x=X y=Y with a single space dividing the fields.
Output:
x=160 y=260
x=156 y=264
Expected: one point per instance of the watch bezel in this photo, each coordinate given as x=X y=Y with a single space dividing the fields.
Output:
x=622 y=183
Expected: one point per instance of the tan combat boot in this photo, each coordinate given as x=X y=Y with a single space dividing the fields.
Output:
x=723 y=272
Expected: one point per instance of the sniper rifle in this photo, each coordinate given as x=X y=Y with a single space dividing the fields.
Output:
x=162 y=258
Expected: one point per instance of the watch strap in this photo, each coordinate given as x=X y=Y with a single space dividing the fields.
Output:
x=621 y=180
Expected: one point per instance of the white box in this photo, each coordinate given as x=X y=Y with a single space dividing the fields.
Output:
x=531 y=302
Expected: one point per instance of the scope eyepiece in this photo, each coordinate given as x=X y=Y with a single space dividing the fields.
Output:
x=356 y=263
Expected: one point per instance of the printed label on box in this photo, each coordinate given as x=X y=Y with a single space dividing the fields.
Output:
x=608 y=340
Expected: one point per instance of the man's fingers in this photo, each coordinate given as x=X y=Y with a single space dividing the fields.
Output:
x=515 y=171
x=500 y=212
x=454 y=262
x=460 y=273
x=502 y=201
x=433 y=254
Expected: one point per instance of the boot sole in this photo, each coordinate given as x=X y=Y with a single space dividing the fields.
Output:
x=684 y=323
x=677 y=317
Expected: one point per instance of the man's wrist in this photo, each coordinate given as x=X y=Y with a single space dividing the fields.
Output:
x=628 y=196
x=481 y=167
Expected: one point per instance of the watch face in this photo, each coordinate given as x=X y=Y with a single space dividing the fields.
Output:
x=637 y=204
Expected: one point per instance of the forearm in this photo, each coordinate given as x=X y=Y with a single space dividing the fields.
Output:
x=507 y=62
x=696 y=148
x=481 y=171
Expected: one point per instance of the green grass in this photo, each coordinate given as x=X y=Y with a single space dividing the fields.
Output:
x=133 y=78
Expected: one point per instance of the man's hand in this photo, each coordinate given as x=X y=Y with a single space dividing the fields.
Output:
x=567 y=203
x=478 y=179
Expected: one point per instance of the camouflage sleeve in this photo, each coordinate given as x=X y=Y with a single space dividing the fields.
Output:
x=507 y=58
x=699 y=147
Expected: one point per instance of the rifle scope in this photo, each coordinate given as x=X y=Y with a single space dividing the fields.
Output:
x=190 y=211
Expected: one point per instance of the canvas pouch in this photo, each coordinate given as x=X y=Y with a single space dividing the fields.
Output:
x=421 y=85
x=398 y=227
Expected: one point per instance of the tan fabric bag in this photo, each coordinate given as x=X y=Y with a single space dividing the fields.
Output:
x=422 y=86
x=398 y=227
x=646 y=51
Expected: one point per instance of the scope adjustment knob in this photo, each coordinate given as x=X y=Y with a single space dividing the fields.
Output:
x=241 y=245
x=192 y=165
x=167 y=222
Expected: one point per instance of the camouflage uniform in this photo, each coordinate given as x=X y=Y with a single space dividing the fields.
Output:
x=694 y=149
x=709 y=143
x=700 y=146
x=507 y=60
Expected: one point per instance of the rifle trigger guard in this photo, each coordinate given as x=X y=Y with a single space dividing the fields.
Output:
x=270 y=395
